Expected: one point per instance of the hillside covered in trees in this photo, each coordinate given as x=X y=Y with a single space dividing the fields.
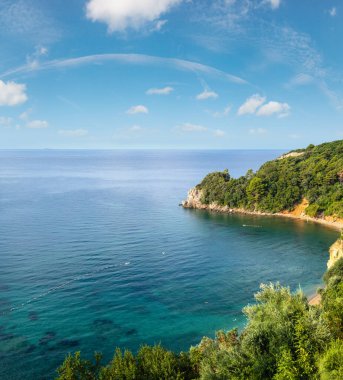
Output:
x=314 y=174
x=285 y=338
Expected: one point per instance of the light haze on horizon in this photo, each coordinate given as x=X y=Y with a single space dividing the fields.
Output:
x=221 y=74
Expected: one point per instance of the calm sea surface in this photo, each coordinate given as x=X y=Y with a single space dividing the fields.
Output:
x=96 y=253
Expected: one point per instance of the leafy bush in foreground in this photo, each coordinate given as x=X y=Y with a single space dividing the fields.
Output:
x=332 y=299
x=331 y=364
x=151 y=363
x=284 y=339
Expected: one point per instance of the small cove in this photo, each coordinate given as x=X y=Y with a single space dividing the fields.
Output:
x=96 y=253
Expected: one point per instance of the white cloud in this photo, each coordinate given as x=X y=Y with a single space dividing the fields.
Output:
x=226 y=111
x=300 y=80
x=135 y=128
x=257 y=131
x=206 y=94
x=219 y=133
x=333 y=12
x=160 y=91
x=37 y=124
x=12 y=94
x=335 y=98
x=255 y=105
x=42 y=50
x=5 y=121
x=137 y=109
x=159 y=25
x=73 y=132
x=189 y=127
x=133 y=59
x=241 y=21
x=26 y=114
x=120 y=15
x=28 y=21
x=251 y=104
x=271 y=108
x=33 y=59
x=273 y=3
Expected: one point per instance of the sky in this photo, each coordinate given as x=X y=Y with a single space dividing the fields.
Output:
x=171 y=74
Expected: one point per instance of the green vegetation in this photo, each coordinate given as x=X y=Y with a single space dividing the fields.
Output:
x=151 y=363
x=316 y=174
x=284 y=339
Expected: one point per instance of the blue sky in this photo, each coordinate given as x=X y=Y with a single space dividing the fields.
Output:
x=170 y=73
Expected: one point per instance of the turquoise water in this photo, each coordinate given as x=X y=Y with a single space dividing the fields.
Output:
x=96 y=253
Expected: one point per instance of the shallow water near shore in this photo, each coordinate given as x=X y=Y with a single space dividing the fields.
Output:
x=96 y=253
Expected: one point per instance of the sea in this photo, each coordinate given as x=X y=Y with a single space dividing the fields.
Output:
x=96 y=253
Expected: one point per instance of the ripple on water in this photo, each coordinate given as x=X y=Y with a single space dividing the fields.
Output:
x=95 y=253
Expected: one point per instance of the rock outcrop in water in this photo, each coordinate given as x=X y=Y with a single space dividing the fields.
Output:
x=194 y=201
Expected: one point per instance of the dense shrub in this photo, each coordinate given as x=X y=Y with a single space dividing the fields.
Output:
x=332 y=298
x=331 y=363
x=150 y=363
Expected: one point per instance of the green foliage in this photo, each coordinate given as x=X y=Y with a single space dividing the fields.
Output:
x=312 y=210
x=283 y=334
x=332 y=298
x=122 y=367
x=76 y=368
x=256 y=189
x=220 y=358
x=156 y=363
x=151 y=363
x=284 y=339
x=286 y=367
x=331 y=363
x=316 y=174
x=214 y=186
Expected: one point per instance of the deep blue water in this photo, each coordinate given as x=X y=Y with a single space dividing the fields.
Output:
x=96 y=253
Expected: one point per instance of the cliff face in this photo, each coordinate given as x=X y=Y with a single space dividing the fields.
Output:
x=194 y=201
x=336 y=252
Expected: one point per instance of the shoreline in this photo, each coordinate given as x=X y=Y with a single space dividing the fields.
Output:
x=193 y=202
x=225 y=210
x=314 y=299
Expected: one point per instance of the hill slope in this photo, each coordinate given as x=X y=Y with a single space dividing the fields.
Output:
x=311 y=176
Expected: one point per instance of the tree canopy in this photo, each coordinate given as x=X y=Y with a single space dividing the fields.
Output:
x=314 y=173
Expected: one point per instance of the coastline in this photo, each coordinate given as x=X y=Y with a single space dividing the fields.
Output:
x=193 y=202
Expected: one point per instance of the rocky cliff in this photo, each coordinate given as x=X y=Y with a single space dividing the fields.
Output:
x=194 y=201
